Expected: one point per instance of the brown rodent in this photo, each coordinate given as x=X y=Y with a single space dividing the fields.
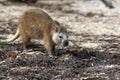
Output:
x=37 y=24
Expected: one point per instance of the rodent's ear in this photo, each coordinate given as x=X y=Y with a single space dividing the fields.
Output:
x=56 y=29
x=57 y=22
x=57 y=26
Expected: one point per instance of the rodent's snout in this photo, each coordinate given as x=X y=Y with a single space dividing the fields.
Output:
x=65 y=43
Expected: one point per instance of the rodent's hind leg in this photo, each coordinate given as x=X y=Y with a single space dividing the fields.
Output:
x=26 y=40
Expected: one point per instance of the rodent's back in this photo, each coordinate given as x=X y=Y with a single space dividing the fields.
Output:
x=35 y=22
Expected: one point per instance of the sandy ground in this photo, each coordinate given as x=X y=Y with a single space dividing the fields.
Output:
x=93 y=53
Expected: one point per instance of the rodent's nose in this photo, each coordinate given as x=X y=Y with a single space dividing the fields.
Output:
x=65 y=43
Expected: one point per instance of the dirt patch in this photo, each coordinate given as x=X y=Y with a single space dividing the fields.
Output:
x=94 y=48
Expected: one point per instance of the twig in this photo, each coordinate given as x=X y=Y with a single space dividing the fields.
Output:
x=108 y=3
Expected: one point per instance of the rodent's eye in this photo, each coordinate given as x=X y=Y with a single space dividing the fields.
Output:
x=60 y=37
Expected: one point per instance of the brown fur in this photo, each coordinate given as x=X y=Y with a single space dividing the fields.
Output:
x=36 y=24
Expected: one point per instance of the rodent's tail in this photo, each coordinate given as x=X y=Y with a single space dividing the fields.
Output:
x=17 y=34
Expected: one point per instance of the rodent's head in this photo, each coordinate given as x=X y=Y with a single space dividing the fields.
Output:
x=60 y=36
